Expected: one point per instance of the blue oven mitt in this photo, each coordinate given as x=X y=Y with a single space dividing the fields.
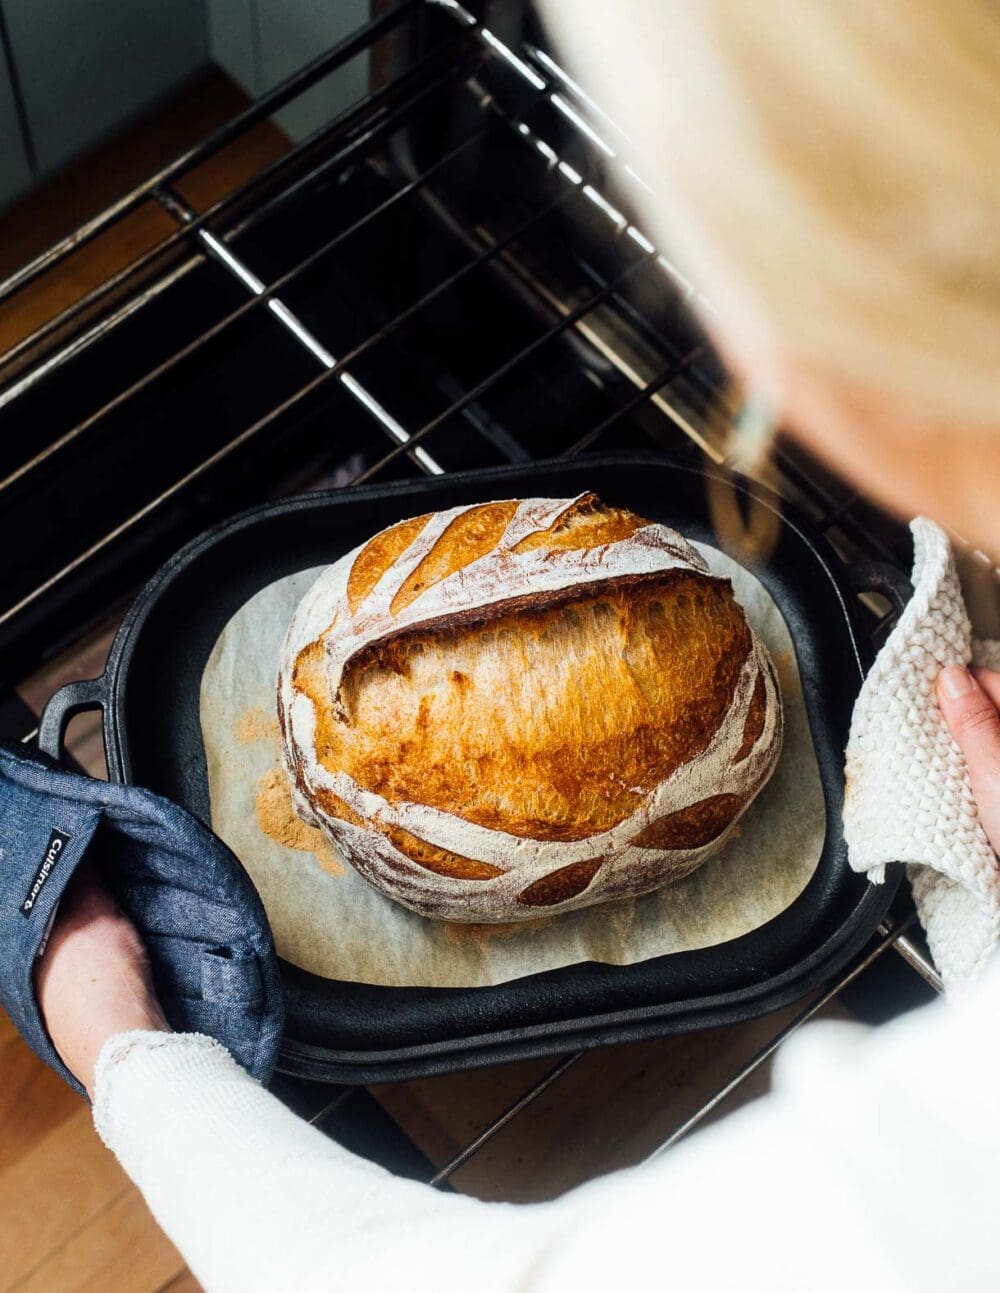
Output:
x=213 y=958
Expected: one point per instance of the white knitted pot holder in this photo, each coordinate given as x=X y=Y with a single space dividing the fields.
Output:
x=908 y=795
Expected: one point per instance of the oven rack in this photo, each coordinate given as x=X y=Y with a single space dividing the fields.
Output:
x=669 y=395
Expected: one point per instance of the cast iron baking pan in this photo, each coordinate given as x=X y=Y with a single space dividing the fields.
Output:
x=352 y=1032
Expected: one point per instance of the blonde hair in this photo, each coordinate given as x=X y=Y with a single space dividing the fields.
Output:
x=828 y=171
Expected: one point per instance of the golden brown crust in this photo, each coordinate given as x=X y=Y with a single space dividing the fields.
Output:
x=308 y=676
x=378 y=555
x=564 y=718
x=469 y=536
x=561 y=885
x=333 y=805
x=756 y=717
x=438 y=860
x=587 y=524
x=692 y=827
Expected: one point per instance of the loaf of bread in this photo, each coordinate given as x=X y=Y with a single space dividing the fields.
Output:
x=519 y=708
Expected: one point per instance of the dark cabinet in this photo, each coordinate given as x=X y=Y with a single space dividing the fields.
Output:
x=86 y=68
x=261 y=42
x=15 y=171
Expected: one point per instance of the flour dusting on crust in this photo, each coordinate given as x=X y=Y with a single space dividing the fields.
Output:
x=731 y=764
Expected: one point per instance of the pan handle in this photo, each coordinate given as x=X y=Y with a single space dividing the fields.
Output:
x=881 y=577
x=75 y=698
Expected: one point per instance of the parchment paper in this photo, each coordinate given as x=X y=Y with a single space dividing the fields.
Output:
x=328 y=920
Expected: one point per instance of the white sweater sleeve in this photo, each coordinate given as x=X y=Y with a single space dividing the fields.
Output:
x=870 y=1165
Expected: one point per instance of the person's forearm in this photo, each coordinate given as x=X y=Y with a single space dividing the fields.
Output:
x=255 y=1198
x=826 y=1183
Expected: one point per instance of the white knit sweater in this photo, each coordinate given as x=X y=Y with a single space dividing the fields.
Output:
x=870 y=1166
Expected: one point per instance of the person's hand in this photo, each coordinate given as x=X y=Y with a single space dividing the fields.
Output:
x=969 y=702
x=93 y=979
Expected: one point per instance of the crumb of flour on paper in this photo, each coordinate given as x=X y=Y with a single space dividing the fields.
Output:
x=483 y=934
x=277 y=818
x=786 y=669
x=619 y=917
x=256 y=725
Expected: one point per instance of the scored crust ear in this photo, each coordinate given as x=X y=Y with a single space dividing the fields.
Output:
x=586 y=523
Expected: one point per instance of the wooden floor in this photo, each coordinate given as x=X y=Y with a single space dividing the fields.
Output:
x=69 y=1217
x=88 y=1227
